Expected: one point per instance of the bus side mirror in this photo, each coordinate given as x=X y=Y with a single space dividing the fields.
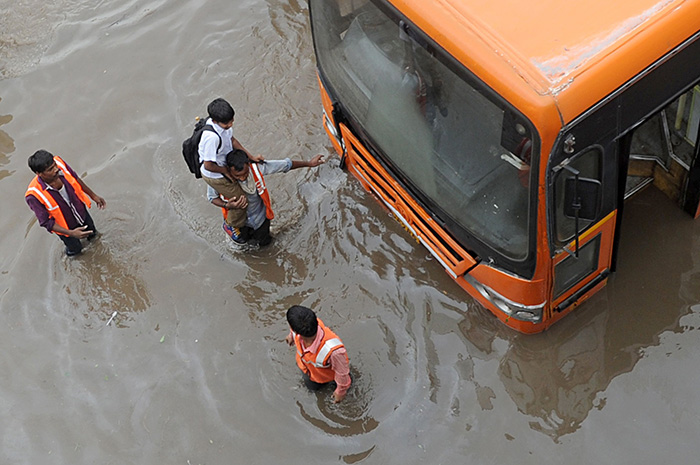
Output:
x=582 y=198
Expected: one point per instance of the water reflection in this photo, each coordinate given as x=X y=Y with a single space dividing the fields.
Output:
x=559 y=376
x=7 y=146
x=355 y=458
x=105 y=285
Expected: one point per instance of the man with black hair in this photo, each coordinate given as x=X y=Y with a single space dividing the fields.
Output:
x=250 y=176
x=60 y=199
x=213 y=147
x=321 y=355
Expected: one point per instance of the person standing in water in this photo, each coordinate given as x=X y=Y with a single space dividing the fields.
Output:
x=249 y=175
x=215 y=143
x=320 y=354
x=60 y=200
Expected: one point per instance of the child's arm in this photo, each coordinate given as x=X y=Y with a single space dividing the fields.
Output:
x=237 y=145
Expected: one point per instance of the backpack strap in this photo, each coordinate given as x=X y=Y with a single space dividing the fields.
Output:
x=209 y=127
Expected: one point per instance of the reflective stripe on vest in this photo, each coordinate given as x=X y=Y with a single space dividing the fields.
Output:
x=323 y=354
x=317 y=365
x=262 y=190
x=47 y=200
x=73 y=182
x=40 y=193
x=325 y=351
x=223 y=210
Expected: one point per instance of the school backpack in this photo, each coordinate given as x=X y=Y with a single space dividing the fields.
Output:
x=190 y=146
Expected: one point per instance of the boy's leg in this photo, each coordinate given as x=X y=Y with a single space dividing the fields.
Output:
x=235 y=218
x=236 y=234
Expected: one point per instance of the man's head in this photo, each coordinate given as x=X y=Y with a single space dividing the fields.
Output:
x=237 y=161
x=42 y=163
x=221 y=112
x=302 y=320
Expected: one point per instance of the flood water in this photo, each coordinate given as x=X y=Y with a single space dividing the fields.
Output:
x=194 y=369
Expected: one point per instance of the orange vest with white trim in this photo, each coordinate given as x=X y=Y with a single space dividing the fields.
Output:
x=42 y=195
x=262 y=192
x=318 y=364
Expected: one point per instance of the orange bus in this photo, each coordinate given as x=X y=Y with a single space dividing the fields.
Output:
x=506 y=137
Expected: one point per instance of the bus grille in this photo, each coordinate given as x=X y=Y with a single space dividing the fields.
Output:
x=405 y=209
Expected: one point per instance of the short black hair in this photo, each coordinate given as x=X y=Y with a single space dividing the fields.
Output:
x=40 y=161
x=220 y=111
x=237 y=158
x=302 y=320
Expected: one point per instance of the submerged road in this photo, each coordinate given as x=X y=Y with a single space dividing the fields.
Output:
x=193 y=369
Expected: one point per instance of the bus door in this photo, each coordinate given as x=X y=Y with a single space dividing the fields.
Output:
x=598 y=164
x=583 y=187
x=663 y=152
x=644 y=133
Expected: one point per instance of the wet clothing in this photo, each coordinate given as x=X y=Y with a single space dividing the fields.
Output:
x=257 y=213
x=73 y=244
x=235 y=217
x=257 y=223
x=261 y=235
x=325 y=360
x=261 y=189
x=67 y=207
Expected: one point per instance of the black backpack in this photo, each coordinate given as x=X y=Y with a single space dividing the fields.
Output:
x=190 y=146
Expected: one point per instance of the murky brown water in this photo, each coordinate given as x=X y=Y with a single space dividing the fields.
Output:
x=194 y=369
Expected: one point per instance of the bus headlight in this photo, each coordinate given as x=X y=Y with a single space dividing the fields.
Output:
x=332 y=129
x=530 y=313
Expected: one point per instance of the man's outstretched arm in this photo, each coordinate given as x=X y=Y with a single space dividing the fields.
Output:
x=315 y=161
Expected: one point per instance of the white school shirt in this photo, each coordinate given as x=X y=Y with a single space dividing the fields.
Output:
x=208 y=144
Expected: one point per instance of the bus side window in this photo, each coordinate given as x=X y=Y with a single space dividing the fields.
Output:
x=588 y=164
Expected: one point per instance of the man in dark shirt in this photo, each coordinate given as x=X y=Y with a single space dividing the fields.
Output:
x=60 y=199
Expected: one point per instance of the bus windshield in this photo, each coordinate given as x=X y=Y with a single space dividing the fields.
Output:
x=447 y=135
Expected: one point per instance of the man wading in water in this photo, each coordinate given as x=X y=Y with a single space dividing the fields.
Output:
x=249 y=176
x=60 y=199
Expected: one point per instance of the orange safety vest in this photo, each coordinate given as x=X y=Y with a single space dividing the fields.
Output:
x=42 y=195
x=318 y=364
x=262 y=192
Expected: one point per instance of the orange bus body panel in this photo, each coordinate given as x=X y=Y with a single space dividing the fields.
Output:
x=574 y=52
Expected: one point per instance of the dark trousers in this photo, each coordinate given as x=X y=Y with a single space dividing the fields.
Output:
x=73 y=244
x=314 y=386
x=262 y=234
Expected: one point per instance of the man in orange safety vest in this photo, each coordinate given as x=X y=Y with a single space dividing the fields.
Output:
x=60 y=199
x=250 y=176
x=320 y=354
